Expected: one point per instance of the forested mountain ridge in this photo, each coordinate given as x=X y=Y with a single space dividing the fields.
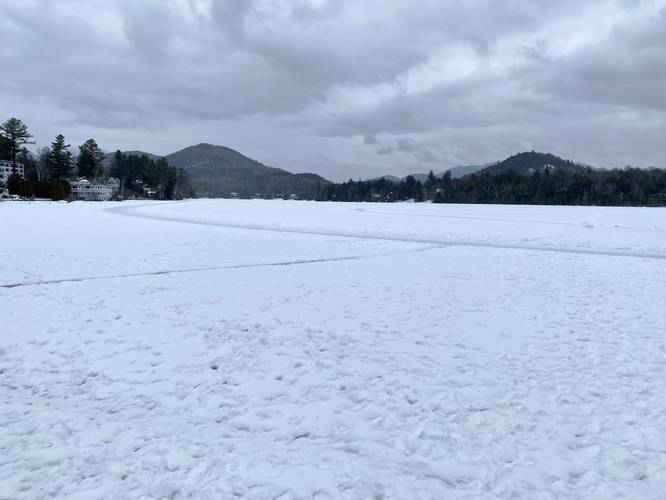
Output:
x=525 y=178
x=108 y=158
x=521 y=163
x=530 y=162
x=220 y=171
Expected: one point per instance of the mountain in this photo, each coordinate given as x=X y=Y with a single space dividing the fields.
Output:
x=463 y=170
x=396 y=180
x=108 y=157
x=418 y=177
x=390 y=178
x=529 y=162
x=522 y=163
x=456 y=172
x=220 y=171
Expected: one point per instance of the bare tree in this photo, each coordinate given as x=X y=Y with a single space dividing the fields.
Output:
x=42 y=163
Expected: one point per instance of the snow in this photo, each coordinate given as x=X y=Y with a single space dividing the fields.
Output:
x=274 y=349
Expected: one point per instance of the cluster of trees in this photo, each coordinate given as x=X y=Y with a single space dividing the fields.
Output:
x=47 y=174
x=550 y=186
x=14 y=135
x=138 y=172
x=560 y=186
x=375 y=190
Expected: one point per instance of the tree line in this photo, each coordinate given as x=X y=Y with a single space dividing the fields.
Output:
x=138 y=172
x=47 y=175
x=551 y=186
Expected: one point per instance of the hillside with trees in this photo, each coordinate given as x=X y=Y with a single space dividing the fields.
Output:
x=220 y=171
x=530 y=162
x=541 y=179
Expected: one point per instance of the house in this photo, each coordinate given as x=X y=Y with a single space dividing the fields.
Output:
x=115 y=185
x=6 y=170
x=95 y=190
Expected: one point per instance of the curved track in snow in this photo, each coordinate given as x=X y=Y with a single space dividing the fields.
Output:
x=135 y=211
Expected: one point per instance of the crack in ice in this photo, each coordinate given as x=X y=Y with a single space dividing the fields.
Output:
x=214 y=268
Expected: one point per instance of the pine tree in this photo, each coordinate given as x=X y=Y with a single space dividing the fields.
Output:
x=60 y=160
x=120 y=168
x=5 y=149
x=16 y=134
x=183 y=184
x=90 y=162
x=25 y=157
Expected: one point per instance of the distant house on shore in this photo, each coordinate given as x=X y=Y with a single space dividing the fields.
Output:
x=95 y=190
x=6 y=170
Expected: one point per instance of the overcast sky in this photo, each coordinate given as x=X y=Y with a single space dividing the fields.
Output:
x=344 y=88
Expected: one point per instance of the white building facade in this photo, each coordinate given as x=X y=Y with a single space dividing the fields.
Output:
x=83 y=189
x=6 y=170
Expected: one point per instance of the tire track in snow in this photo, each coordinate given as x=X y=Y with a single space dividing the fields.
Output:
x=215 y=268
x=132 y=211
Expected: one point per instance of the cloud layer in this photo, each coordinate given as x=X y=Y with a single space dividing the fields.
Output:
x=346 y=88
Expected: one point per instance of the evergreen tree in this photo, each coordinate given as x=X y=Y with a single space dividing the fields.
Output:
x=5 y=149
x=120 y=168
x=183 y=185
x=60 y=159
x=25 y=157
x=16 y=134
x=90 y=162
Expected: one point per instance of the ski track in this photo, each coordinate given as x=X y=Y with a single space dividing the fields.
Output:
x=463 y=373
x=133 y=211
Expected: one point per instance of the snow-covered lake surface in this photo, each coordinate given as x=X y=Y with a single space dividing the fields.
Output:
x=270 y=349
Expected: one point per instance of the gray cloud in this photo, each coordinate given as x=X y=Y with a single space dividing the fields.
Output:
x=393 y=87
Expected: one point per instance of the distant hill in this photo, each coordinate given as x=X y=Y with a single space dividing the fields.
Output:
x=109 y=156
x=390 y=178
x=521 y=163
x=529 y=162
x=456 y=173
x=418 y=177
x=220 y=171
x=393 y=178
x=463 y=170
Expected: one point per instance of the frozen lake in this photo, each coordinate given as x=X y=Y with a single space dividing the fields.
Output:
x=273 y=349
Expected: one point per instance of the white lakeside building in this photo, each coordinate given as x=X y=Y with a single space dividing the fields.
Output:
x=6 y=170
x=83 y=189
